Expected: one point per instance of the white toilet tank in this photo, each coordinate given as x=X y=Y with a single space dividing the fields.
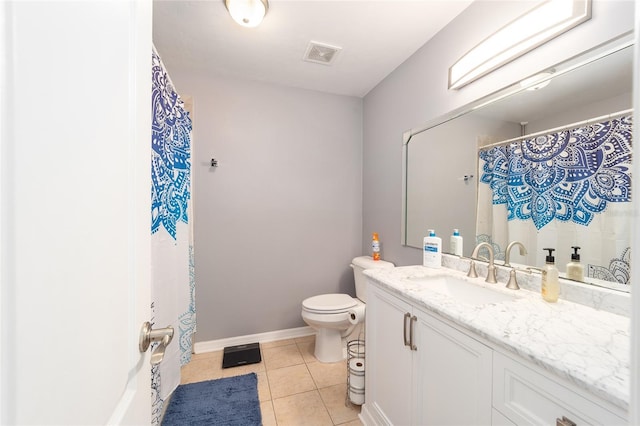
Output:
x=361 y=263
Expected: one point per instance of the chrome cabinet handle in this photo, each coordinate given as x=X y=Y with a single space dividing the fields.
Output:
x=414 y=319
x=564 y=422
x=404 y=328
x=148 y=335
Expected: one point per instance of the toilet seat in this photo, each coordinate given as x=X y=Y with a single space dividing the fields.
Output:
x=333 y=303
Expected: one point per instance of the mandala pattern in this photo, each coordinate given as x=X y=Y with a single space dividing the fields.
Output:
x=171 y=148
x=170 y=194
x=188 y=319
x=568 y=176
x=619 y=269
x=498 y=253
x=156 y=402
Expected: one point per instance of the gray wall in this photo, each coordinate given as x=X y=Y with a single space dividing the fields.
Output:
x=416 y=92
x=280 y=218
x=573 y=115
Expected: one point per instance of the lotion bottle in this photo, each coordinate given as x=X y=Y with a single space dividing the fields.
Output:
x=432 y=253
x=456 y=243
x=575 y=270
x=375 y=247
x=550 y=284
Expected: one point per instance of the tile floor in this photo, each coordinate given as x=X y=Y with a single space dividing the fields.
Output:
x=293 y=387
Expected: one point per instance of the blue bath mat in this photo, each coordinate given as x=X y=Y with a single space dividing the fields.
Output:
x=230 y=401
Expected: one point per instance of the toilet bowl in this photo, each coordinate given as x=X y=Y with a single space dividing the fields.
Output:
x=334 y=316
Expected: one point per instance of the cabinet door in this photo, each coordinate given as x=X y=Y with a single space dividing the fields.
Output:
x=499 y=419
x=452 y=379
x=388 y=359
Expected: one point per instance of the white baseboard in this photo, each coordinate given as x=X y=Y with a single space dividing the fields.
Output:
x=217 y=345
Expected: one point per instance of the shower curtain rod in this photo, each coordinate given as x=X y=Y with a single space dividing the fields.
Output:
x=559 y=129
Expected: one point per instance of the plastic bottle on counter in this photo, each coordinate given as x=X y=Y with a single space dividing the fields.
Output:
x=432 y=250
x=375 y=247
x=456 y=243
x=550 y=283
x=575 y=270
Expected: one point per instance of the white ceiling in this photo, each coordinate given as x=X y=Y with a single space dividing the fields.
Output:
x=375 y=37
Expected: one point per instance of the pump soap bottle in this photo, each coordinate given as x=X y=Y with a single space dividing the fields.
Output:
x=432 y=253
x=375 y=247
x=575 y=270
x=455 y=244
x=550 y=284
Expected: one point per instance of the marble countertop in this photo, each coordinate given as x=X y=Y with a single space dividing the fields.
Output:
x=587 y=346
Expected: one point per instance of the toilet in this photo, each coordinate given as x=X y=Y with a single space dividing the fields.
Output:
x=334 y=316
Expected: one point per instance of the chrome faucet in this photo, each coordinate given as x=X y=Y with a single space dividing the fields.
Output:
x=513 y=283
x=491 y=269
x=507 y=254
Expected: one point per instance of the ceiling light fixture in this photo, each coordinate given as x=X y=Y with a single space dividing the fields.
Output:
x=248 y=13
x=539 y=25
x=537 y=81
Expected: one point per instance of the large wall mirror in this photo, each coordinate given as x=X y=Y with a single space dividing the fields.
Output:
x=446 y=165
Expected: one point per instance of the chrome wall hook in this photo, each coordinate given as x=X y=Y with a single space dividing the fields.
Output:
x=214 y=162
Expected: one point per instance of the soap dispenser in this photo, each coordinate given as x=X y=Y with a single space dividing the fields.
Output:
x=550 y=284
x=575 y=270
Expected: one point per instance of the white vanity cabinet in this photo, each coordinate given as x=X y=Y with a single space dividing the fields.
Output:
x=420 y=370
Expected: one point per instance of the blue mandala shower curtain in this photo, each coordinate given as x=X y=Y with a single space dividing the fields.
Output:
x=571 y=188
x=172 y=274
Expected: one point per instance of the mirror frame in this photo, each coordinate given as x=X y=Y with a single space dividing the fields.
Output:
x=602 y=50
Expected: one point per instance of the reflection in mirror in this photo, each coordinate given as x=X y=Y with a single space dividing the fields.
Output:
x=553 y=160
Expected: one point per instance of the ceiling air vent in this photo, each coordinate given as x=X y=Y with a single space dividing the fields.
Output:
x=321 y=53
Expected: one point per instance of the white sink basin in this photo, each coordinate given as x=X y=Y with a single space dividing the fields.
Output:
x=462 y=290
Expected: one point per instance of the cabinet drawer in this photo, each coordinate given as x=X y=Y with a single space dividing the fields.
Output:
x=527 y=397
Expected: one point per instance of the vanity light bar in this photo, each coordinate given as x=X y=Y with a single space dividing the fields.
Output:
x=539 y=25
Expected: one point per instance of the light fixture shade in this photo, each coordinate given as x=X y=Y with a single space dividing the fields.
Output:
x=248 y=13
x=542 y=23
x=537 y=81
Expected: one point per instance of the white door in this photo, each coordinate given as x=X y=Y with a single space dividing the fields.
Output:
x=74 y=211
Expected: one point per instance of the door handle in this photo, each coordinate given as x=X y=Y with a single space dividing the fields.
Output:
x=404 y=328
x=148 y=335
x=413 y=347
x=564 y=422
